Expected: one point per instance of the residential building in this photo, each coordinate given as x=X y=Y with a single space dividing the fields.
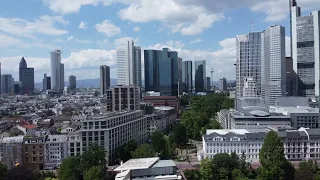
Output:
x=223 y=84
x=104 y=79
x=148 y=168
x=26 y=77
x=208 y=83
x=56 y=150
x=161 y=119
x=306 y=51
x=291 y=78
x=129 y=64
x=248 y=61
x=74 y=144
x=151 y=69
x=160 y=101
x=33 y=152
x=200 y=76
x=187 y=76
x=11 y=151
x=72 y=83
x=56 y=71
x=121 y=98
x=273 y=76
x=6 y=80
x=111 y=130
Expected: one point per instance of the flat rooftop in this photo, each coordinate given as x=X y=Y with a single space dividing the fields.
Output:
x=142 y=163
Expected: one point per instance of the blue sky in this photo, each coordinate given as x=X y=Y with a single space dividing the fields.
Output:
x=87 y=31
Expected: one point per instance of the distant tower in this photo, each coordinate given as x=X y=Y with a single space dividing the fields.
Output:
x=211 y=72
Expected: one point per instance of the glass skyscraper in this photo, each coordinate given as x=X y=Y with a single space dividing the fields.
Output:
x=26 y=77
x=200 y=76
x=151 y=69
x=187 y=77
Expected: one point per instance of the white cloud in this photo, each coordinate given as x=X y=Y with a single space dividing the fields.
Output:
x=71 y=39
x=83 y=25
x=107 y=28
x=196 y=41
x=136 y=29
x=8 y=41
x=44 y=25
x=203 y=22
x=121 y=40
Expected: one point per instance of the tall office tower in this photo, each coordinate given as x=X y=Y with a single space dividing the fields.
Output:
x=151 y=70
x=104 y=79
x=16 y=87
x=223 y=84
x=6 y=80
x=45 y=82
x=292 y=3
x=273 y=60
x=0 y=78
x=128 y=64
x=162 y=71
x=72 y=82
x=26 y=77
x=200 y=76
x=291 y=78
x=208 y=83
x=306 y=51
x=180 y=76
x=57 y=73
x=48 y=82
x=187 y=77
x=248 y=60
x=249 y=87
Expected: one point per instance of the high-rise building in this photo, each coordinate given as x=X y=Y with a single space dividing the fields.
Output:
x=0 y=78
x=223 y=84
x=104 y=79
x=306 y=51
x=57 y=71
x=46 y=82
x=72 y=82
x=187 y=76
x=16 y=87
x=292 y=3
x=291 y=78
x=208 y=83
x=180 y=83
x=129 y=64
x=249 y=87
x=162 y=71
x=248 y=60
x=6 y=80
x=26 y=77
x=273 y=59
x=200 y=76
x=151 y=70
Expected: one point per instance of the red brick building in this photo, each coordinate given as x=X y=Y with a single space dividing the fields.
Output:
x=171 y=101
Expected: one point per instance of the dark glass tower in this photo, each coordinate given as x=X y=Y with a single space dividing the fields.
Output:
x=26 y=77
x=151 y=69
x=187 y=78
x=200 y=76
x=104 y=79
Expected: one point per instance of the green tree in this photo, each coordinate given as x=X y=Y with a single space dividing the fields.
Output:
x=42 y=175
x=93 y=156
x=158 y=142
x=215 y=124
x=272 y=158
x=207 y=170
x=317 y=176
x=304 y=172
x=223 y=174
x=194 y=121
x=144 y=151
x=70 y=170
x=95 y=173
x=180 y=134
x=123 y=153
x=19 y=173
x=170 y=147
x=243 y=165
x=50 y=178
x=192 y=174
x=223 y=160
x=3 y=171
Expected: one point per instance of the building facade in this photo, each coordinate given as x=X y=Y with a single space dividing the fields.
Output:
x=6 y=80
x=291 y=78
x=11 y=151
x=26 y=77
x=151 y=70
x=306 y=51
x=273 y=77
x=129 y=64
x=248 y=60
x=223 y=84
x=104 y=79
x=33 y=154
x=56 y=150
x=72 y=83
x=200 y=76
x=57 y=71
x=187 y=76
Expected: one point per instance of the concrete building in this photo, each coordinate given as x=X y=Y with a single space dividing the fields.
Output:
x=299 y=145
x=200 y=76
x=161 y=118
x=248 y=61
x=33 y=152
x=187 y=76
x=306 y=51
x=11 y=151
x=291 y=78
x=223 y=84
x=114 y=129
x=121 y=98
x=46 y=82
x=6 y=84
x=148 y=169
x=26 y=77
x=74 y=144
x=72 y=83
x=104 y=79
x=57 y=74
x=249 y=88
x=160 y=101
x=273 y=76
x=128 y=64
x=56 y=149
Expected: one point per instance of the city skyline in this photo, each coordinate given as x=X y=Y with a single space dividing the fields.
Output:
x=86 y=44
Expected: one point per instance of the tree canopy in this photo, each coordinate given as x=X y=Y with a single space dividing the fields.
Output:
x=158 y=142
x=95 y=173
x=144 y=151
x=70 y=170
x=123 y=153
x=180 y=134
x=93 y=156
x=3 y=171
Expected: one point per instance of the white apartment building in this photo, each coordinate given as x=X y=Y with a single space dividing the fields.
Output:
x=56 y=149
x=273 y=58
x=112 y=130
x=299 y=145
x=74 y=144
x=129 y=64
